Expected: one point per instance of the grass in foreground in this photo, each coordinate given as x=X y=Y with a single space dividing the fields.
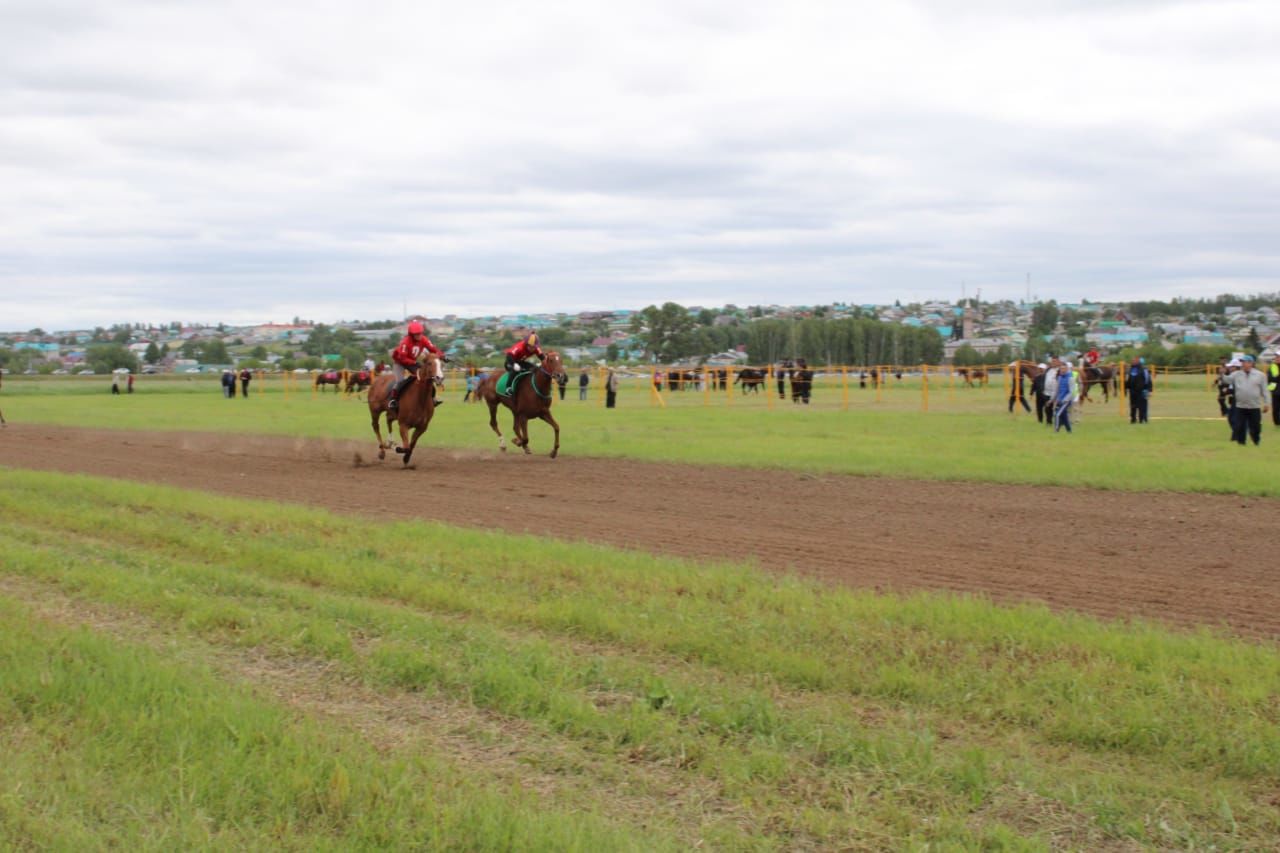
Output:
x=966 y=436
x=800 y=715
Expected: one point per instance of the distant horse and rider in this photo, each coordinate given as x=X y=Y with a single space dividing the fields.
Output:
x=1106 y=375
x=528 y=394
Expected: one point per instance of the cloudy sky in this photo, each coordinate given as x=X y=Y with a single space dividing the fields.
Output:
x=249 y=161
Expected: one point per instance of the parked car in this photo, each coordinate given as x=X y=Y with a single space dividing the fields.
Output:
x=85 y=371
x=192 y=370
x=60 y=372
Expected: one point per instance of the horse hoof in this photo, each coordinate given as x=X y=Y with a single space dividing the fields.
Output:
x=382 y=454
x=402 y=451
x=555 y=453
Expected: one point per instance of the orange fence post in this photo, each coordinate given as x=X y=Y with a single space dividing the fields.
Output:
x=729 y=368
x=1122 y=392
x=768 y=385
x=924 y=387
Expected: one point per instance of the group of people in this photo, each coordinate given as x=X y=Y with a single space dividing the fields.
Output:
x=118 y=379
x=1245 y=394
x=229 y=377
x=1057 y=388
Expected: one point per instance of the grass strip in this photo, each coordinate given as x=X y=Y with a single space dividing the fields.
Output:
x=111 y=745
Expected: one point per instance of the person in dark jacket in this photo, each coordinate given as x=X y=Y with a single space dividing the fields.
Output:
x=245 y=378
x=1137 y=384
x=583 y=381
x=1042 y=399
x=1273 y=385
x=562 y=382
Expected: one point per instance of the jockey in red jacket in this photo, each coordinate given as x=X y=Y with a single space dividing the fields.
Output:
x=404 y=361
x=523 y=349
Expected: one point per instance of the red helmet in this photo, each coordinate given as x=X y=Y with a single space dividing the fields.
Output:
x=415 y=328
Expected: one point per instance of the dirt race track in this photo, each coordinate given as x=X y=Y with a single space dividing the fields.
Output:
x=1161 y=556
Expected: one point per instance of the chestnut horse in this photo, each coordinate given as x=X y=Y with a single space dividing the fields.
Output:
x=357 y=381
x=970 y=375
x=328 y=377
x=1106 y=375
x=417 y=405
x=531 y=399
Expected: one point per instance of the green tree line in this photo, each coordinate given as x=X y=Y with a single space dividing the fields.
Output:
x=856 y=341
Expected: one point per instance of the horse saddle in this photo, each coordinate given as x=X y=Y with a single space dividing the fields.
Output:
x=507 y=383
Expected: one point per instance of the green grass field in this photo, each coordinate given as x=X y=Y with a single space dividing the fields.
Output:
x=179 y=670
x=967 y=434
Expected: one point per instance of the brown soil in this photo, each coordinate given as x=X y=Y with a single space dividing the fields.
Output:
x=1173 y=557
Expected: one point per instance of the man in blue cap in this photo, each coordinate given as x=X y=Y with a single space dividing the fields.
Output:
x=1249 y=388
x=1137 y=384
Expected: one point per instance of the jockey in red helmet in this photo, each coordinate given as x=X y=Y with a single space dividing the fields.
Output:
x=524 y=348
x=404 y=361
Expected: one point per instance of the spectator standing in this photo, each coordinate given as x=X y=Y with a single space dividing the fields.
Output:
x=583 y=381
x=1037 y=389
x=115 y=383
x=245 y=378
x=1051 y=388
x=562 y=381
x=1273 y=385
x=1249 y=387
x=1017 y=393
x=228 y=384
x=1066 y=393
x=1224 y=369
x=130 y=383
x=611 y=389
x=472 y=383
x=1137 y=384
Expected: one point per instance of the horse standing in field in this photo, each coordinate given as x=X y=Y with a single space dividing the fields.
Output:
x=1105 y=375
x=328 y=377
x=752 y=379
x=417 y=405
x=529 y=398
x=358 y=381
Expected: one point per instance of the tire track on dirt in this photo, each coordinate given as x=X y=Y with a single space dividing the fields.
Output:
x=1163 y=556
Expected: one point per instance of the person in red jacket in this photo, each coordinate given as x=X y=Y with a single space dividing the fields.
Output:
x=404 y=361
x=516 y=355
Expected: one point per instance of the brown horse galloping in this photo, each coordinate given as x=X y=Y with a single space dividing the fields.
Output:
x=417 y=405
x=531 y=399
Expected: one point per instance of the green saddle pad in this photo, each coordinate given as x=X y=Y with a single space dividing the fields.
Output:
x=507 y=383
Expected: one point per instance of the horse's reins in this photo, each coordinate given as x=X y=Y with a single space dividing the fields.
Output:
x=534 y=383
